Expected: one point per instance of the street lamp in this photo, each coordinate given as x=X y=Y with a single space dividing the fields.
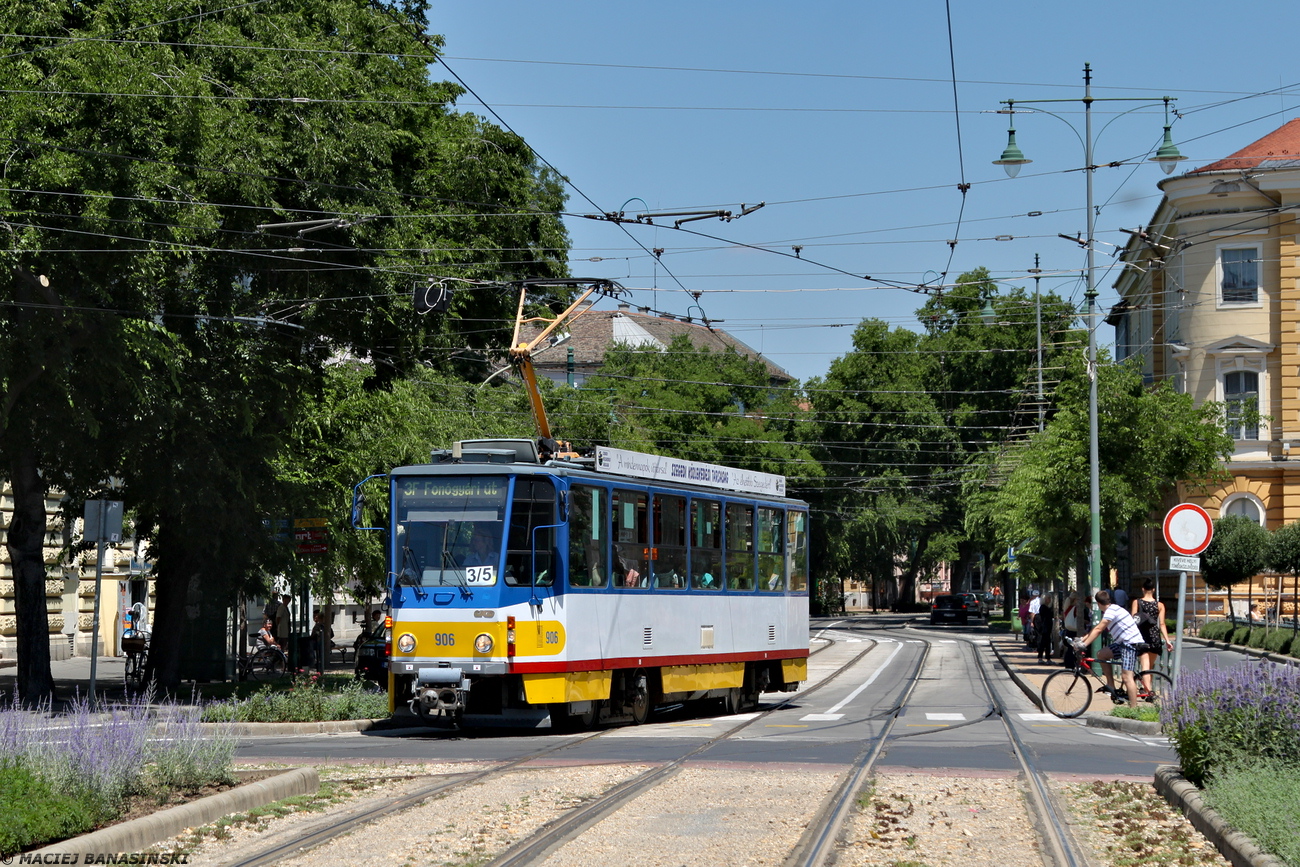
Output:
x=1011 y=160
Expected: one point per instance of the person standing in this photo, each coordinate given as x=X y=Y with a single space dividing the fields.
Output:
x=1070 y=629
x=1124 y=640
x=1150 y=615
x=1023 y=611
x=1044 y=621
x=283 y=620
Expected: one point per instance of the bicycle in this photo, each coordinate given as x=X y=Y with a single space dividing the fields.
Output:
x=268 y=662
x=1068 y=693
x=135 y=645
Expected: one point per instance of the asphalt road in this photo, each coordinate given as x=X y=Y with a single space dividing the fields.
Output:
x=946 y=724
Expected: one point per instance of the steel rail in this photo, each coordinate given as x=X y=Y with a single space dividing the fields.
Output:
x=817 y=843
x=1063 y=851
x=319 y=834
x=568 y=827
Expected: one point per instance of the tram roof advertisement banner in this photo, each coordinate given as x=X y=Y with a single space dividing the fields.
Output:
x=660 y=468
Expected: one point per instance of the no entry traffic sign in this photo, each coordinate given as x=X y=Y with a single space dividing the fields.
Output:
x=1188 y=529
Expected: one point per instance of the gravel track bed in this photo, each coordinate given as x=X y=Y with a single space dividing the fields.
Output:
x=1127 y=823
x=706 y=818
x=471 y=825
x=941 y=822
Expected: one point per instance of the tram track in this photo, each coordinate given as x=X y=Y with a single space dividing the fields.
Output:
x=550 y=836
x=818 y=845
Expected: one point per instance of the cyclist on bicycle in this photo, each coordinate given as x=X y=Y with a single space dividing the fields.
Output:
x=1125 y=638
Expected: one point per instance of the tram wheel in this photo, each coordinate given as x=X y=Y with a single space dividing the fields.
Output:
x=640 y=703
x=733 y=701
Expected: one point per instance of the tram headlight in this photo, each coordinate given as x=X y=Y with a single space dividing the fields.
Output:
x=406 y=642
x=483 y=643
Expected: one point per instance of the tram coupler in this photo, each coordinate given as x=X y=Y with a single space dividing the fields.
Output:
x=440 y=692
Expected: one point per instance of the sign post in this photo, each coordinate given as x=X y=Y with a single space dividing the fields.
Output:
x=1188 y=531
x=102 y=522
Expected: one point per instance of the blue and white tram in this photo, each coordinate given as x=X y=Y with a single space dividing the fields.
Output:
x=521 y=590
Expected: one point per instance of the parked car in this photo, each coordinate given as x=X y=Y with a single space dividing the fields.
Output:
x=975 y=603
x=371 y=662
x=950 y=608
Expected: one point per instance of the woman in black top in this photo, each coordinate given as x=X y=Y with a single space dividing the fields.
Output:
x=1150 y=616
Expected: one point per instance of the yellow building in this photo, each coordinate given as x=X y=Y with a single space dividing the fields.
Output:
x=1209 y=297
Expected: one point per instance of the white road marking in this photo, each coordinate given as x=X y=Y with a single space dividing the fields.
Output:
x=1038 y=717
x=831 y=713
x=946 y=716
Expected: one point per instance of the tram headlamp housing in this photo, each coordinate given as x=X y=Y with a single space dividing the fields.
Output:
x=406 y=642
x=483 y=643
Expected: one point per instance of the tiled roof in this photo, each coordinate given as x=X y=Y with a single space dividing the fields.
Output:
x=1277 y=150
x=596 y=330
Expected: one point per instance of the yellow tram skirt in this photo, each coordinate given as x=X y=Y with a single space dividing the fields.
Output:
x=794 y=670
x=692 y=678
x=567 y=686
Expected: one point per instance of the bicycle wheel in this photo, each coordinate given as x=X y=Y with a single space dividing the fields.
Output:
x=267 y=664
x=1161 y=687
x=134 y=672
x=1067 y=694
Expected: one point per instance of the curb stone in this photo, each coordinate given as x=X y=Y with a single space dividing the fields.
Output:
x=1234 y=845
x=138 y=834
x=1115 y=723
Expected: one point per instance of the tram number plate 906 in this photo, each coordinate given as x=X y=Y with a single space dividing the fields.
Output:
x=480 y=576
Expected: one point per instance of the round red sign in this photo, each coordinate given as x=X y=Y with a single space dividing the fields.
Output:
x=1188 y=529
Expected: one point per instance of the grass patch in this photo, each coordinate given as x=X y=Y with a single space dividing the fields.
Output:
x=1145 y=713
x=35 y=812
x=1262 y=800
x=308 y=698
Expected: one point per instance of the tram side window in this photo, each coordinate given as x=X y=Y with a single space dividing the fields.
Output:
x=668 y=556
x=706 y=544
x=771 y=551
x=533 y=506
x=588 y=534
x=630 y=566
x=797 y=547
x=740 y=547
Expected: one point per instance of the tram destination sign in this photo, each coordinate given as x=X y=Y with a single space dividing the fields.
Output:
x=664 y=469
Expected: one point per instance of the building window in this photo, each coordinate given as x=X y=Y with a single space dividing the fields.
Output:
x=1241 y=404
x=1244 y=505
x=1239 y=275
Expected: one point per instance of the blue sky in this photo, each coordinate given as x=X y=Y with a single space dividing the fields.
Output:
x=844 y=119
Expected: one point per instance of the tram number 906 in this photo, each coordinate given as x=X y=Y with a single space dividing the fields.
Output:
x=552 y=638
x=444 y=639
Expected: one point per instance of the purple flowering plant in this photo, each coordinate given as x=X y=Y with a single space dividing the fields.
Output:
x=1219 y=717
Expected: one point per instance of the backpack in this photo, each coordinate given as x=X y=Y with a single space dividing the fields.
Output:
x=1146 y=619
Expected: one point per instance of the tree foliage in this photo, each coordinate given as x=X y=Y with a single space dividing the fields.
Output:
x=153 y=330
x=1148 y=439
x=1239 y=550
x=905 y=416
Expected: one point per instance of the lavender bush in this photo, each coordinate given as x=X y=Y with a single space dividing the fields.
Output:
x=187 y=755
x=103 y=753
x=1222 y=716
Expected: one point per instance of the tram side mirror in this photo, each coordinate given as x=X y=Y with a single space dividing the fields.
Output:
x=358 y=501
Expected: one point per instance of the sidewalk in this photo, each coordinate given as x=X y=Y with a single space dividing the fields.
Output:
x=1022 y=663
x=72 y=678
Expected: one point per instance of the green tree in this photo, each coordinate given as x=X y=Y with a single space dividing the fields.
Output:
x=348 y=432
x=1239 y=550
x=152 y=330
x=1148 y=439
x=905 y=416
x=691 y=402
x=1284 y=559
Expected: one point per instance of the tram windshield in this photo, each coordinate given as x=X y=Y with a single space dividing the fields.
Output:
x=449 y=530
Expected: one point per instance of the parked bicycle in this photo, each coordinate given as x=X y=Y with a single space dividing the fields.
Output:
x=135 y=645
x=268 y=662
x=1068 y=693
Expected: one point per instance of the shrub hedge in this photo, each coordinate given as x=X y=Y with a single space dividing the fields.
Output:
x=1240 y=635
x=1217 y=630
x=34 y=811
x=1279 y=641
